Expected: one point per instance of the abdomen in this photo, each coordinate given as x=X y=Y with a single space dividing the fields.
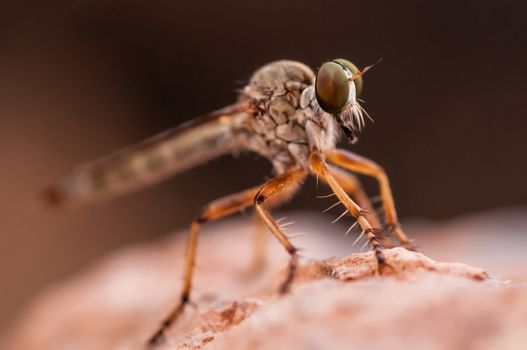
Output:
x=153 y=160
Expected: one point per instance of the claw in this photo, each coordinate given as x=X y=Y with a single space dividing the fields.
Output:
x=383 y=268
x=156 y=340
x=286 y=285
x=382 y=265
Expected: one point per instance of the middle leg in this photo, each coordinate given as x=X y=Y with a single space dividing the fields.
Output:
x=260 y=232
x=275 y=188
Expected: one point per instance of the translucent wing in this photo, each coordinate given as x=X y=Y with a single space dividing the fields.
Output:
x=154 y=159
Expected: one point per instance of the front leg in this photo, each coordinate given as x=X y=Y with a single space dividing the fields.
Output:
x=354 y=162
x=351 y=184
x=321 y=169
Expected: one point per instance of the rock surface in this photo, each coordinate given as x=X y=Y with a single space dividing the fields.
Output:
x=336 y=303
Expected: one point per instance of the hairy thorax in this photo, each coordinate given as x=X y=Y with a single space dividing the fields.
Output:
x=287 y=124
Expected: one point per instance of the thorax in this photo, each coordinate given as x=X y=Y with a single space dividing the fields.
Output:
x=286 y=124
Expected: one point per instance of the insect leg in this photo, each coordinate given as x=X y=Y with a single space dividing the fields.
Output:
x=276 y=187
x=351 y=184
x=354 y=162
x=320 y=168
x=261 y=231
x=259 y=258
x=215 y=210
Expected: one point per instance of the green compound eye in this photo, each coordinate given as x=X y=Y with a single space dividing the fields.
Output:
x=354 y=70
x=332 y=87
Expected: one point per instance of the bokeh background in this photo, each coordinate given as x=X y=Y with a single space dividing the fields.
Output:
x=79 y=79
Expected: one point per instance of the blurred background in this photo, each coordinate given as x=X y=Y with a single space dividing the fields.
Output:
x=80 y=79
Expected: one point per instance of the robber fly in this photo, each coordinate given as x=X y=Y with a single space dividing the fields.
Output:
x=287 y=114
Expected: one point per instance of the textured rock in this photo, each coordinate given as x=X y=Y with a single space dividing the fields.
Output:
x=337 y=303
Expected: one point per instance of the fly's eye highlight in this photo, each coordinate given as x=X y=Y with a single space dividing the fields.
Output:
x=332 y=87
x=354 y=70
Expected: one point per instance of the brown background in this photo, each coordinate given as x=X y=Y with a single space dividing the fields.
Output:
x=79 y=79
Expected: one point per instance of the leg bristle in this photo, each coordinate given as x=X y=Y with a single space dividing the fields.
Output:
x=351 y=228
x=340 y=216
x=358 y=238
x=331 y=207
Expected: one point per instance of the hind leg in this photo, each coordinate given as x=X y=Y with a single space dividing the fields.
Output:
x=215 y=210
x=273 y=189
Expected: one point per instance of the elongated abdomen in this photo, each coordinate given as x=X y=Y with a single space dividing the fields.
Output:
x=152 y=160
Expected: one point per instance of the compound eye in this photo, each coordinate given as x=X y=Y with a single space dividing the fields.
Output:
x=354 y=70
x=332 y=87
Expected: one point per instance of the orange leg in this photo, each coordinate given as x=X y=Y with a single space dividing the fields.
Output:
x=278 y=188
x=217 y=209
x=321 y=169
x=260 y=233
x=274 y=188
x=354 y=162
x=259 y=256
x=351 y=184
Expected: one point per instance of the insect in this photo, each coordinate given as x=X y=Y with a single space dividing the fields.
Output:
x=287 y=114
